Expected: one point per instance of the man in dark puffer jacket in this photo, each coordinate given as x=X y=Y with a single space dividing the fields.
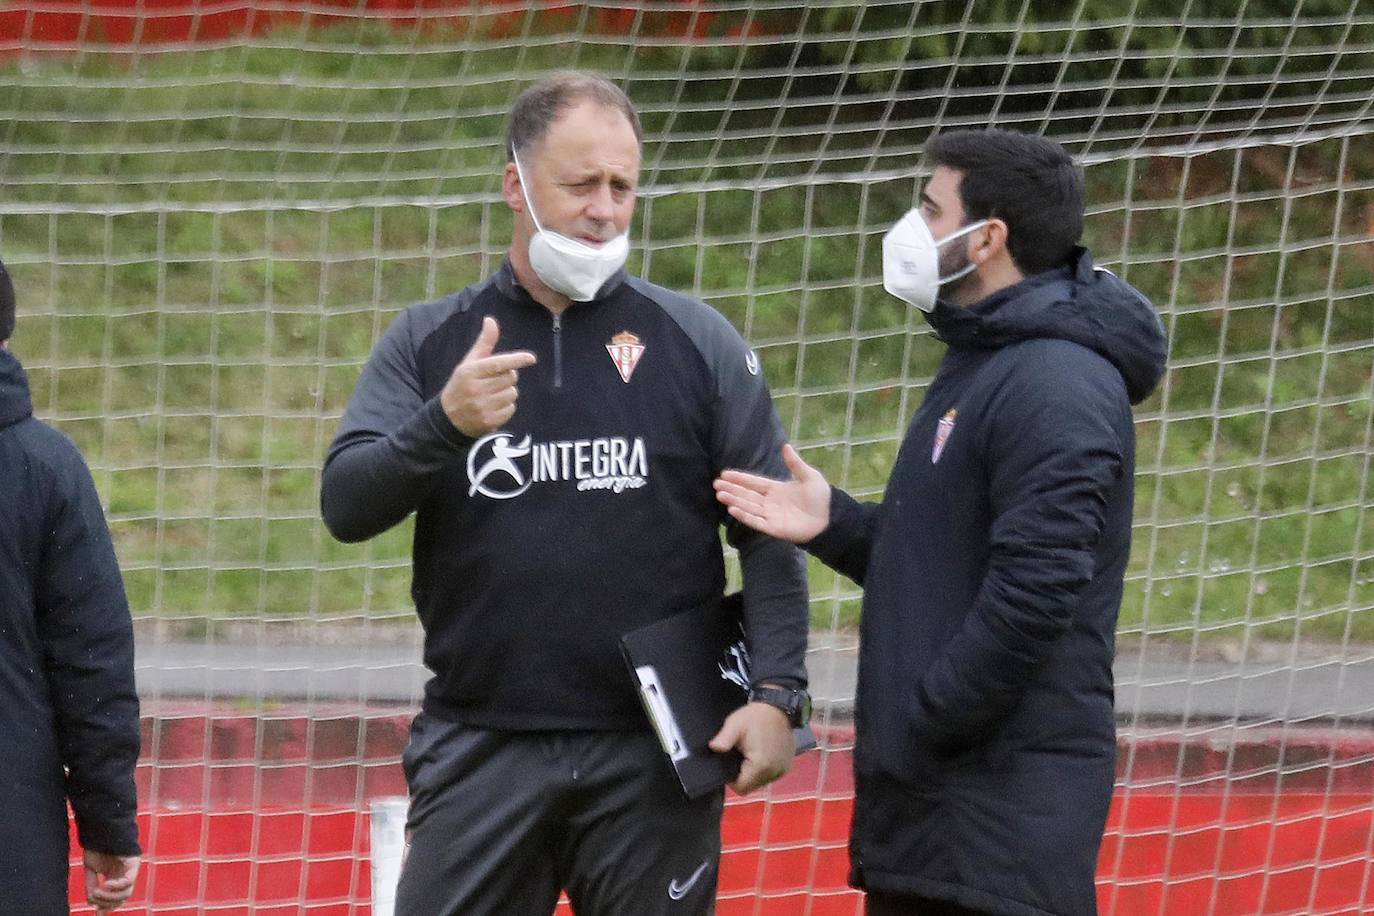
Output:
x=992 y=569
x=68 y=710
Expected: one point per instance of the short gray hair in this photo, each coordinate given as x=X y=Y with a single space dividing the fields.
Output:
x=542 y=104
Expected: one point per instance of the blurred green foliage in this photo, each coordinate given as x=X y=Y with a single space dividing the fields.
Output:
x=199 y=283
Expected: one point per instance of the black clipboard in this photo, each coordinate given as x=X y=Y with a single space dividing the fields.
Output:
x=691 y=670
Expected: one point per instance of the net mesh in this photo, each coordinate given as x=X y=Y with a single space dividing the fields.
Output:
x=213 y=209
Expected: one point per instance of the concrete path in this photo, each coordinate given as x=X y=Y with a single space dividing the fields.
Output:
x=1164 y=682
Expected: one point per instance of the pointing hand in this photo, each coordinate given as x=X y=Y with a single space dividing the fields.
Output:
x=480 y=394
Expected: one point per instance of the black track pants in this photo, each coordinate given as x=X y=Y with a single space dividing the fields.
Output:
x=500 y=822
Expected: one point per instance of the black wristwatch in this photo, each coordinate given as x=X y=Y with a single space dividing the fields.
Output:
x=795 y=704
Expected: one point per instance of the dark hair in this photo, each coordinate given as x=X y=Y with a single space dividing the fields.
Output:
x=6 y=304
x=1029 y=182
x=541 y=104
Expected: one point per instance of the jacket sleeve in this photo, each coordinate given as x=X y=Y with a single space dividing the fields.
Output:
x=846 y=542
x=391 y=444
x=1052 y=454
x=88 y=650
x=747 y=434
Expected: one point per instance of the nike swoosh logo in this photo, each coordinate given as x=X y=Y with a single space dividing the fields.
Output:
x=678 y=891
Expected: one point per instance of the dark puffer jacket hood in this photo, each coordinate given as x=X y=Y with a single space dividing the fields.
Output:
x=1081 y=303
x=15 y=404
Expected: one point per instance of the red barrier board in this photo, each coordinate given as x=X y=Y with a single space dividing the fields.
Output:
x=1286 y=853
x=131 y=24
x=268 y=815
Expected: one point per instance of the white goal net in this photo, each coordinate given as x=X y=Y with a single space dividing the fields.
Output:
x=211 y=211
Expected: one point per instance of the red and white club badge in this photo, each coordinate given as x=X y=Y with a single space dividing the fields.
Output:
x=942 y=431
x=625 y=349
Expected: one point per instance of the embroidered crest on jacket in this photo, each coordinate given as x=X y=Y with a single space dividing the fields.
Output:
x=625 y=349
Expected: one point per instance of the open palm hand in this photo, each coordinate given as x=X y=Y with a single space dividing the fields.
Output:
x=794 y=510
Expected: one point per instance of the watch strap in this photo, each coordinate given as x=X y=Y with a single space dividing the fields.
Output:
x=794 y=703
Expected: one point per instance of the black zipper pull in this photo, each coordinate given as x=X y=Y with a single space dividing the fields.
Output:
x=558 y=351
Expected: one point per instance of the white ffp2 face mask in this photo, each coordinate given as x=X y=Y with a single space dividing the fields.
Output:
x=911 y=260
x=573 y=268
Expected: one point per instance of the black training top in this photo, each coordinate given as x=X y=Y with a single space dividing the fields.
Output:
x=589 y=514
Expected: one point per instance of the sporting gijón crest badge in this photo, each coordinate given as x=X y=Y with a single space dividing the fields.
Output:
x=942 y=433
x=625 y=349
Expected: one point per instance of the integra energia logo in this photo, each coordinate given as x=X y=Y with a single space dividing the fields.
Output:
x=501 y=468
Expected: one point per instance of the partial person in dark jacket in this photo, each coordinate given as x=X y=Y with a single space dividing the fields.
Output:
x=992 y=568
x=68 y=711
x=551 y=523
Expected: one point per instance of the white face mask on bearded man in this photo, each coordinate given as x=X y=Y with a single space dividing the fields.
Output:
x=573 y=268
x=911 y=260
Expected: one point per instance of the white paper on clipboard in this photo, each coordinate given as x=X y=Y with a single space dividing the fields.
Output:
x=661 y=714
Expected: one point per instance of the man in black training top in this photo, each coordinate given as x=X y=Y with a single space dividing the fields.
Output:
x=992 y=568
x=68 y=708
x=549 y=526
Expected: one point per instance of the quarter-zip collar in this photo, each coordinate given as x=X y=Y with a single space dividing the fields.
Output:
x=510 y=287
